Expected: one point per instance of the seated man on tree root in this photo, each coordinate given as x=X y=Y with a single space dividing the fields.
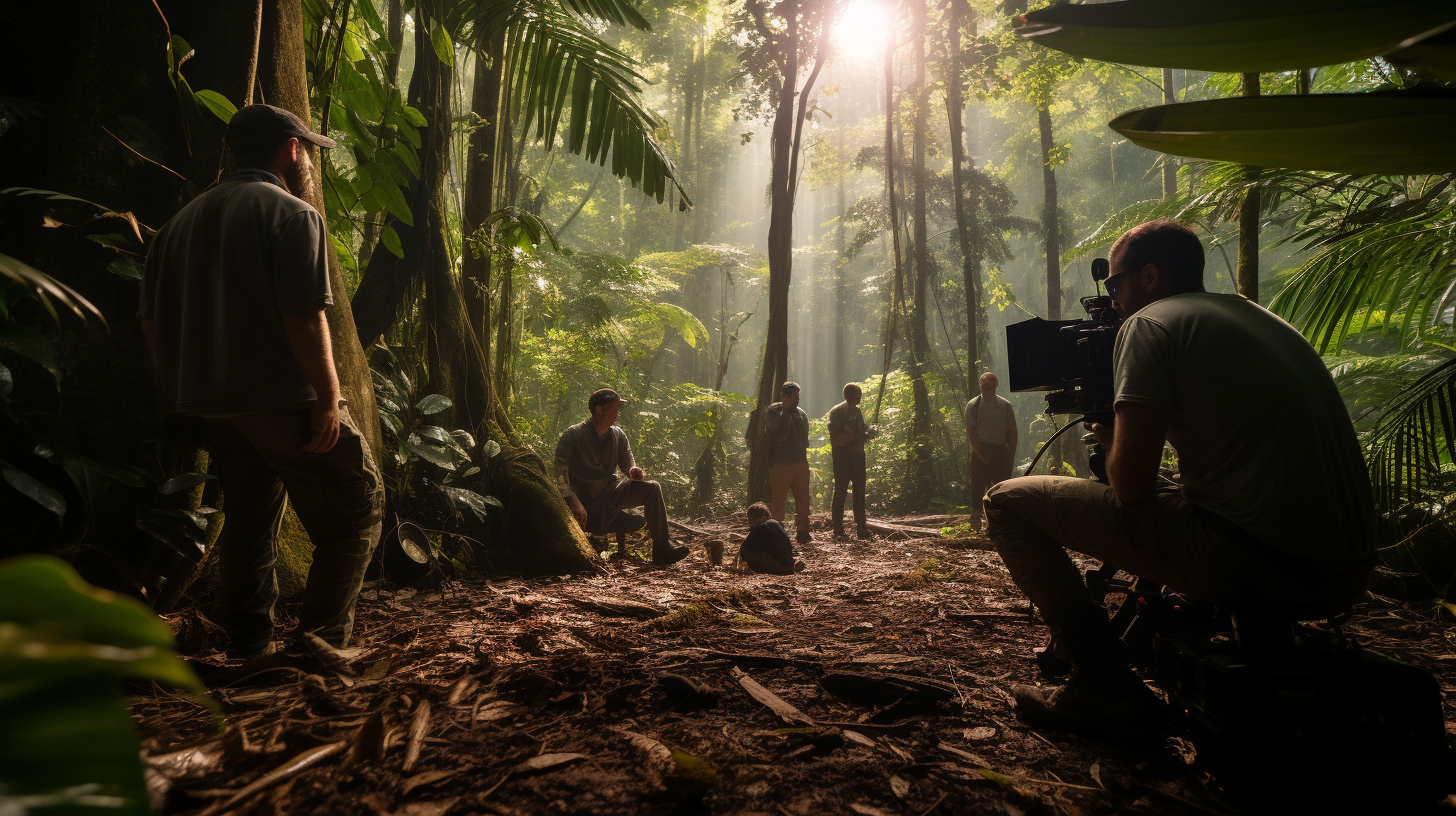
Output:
x=1274 y=509
x=599 y=479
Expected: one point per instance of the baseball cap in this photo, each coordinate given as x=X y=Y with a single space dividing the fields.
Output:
x=603 y=396
x=261 y=128
x=789 y=388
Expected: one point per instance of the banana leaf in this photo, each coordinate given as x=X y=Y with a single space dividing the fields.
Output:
x=1432 y=55
x=1347 y=133
x=1234 y=35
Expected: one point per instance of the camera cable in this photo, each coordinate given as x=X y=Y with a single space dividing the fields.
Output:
x=1072 y=424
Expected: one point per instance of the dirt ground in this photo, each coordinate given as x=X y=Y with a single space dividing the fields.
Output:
x=681 y=690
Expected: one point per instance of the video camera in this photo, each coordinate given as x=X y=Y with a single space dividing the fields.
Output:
x=1070 y=358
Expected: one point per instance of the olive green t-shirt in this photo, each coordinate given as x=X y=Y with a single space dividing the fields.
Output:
x=989 y=420
x=1262 y=435
x=220 y=275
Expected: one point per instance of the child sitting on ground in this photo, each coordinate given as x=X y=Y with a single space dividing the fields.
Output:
x=767 y=548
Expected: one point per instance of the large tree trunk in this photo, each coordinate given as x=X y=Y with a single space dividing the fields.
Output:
x=919 y=463
x=1248 y=254
x=480 y=180
x=538 y=535
x=283 y=81
x=775 y=367
x=1049 y=223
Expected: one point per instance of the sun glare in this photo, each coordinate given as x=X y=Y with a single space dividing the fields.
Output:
x=862 y=29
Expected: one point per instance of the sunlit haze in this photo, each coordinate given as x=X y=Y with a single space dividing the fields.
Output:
x=862 y=29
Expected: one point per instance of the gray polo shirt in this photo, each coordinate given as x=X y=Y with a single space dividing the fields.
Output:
x=220 y=275
x=587 y=464
x=1262 y=435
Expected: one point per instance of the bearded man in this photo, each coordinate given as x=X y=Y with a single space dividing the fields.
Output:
x=233 y=306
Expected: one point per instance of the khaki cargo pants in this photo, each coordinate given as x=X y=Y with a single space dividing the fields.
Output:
x=1034 y=520
x=338 y=496
x=784 y=479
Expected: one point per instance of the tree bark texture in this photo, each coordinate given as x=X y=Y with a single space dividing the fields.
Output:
x=1049 y=223
x=1248 y=253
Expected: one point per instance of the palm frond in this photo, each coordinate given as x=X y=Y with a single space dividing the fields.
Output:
x=557 y=60
x=1410 y=449
x=1382 y=259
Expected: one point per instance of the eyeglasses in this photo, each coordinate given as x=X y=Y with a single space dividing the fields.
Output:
x=1113 y=284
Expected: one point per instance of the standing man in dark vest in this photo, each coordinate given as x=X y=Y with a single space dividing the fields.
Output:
x=233 y=308
x=847 y=437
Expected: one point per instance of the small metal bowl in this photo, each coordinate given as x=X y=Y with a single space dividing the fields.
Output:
x=407 y=553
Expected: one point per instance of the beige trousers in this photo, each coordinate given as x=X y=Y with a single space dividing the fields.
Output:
x=1034 y=520
x=785 y=478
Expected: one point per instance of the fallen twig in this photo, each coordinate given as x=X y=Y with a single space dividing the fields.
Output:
x=305 y=760
x=786 y=712
x=419 y=726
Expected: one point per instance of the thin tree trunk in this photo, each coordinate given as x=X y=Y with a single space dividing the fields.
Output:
x=1170 y=164
x=1049 y=217
x=919 y=463
x=965 y=214
x=1248 y=255
x=897 y=292
x=841 y=285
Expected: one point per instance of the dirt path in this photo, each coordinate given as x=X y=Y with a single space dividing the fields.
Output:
x=626 y=694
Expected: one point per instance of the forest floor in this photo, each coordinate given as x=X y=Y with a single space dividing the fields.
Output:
x=687 y=689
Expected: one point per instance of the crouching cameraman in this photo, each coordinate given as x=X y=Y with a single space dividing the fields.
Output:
x=1274 y=506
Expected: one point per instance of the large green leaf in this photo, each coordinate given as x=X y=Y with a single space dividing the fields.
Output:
x=443 y=45
x=46 y=288
x=1234 y=35
x=1396 y=133
x=218 y=104
x=31 y=344
x=69 y=744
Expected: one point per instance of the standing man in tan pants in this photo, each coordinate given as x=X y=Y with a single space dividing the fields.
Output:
x=233 y=306
x=788 y=458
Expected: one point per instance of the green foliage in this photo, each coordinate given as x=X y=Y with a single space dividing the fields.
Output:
x=70 y=745
x=1349 y=133
x=1233 y=35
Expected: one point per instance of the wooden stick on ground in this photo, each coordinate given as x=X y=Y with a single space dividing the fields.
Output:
x=786 y=712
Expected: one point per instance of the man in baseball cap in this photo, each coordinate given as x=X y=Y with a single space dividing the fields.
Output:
x=591 y=460
x=233 y=306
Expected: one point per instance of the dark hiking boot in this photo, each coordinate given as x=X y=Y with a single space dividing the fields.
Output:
x=253 y=651
x=804 y=537
x=1103 y=697
x=1115 y=706
x=839 y=533
x=800 y=566
x=669 y=556
x=864 y=534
